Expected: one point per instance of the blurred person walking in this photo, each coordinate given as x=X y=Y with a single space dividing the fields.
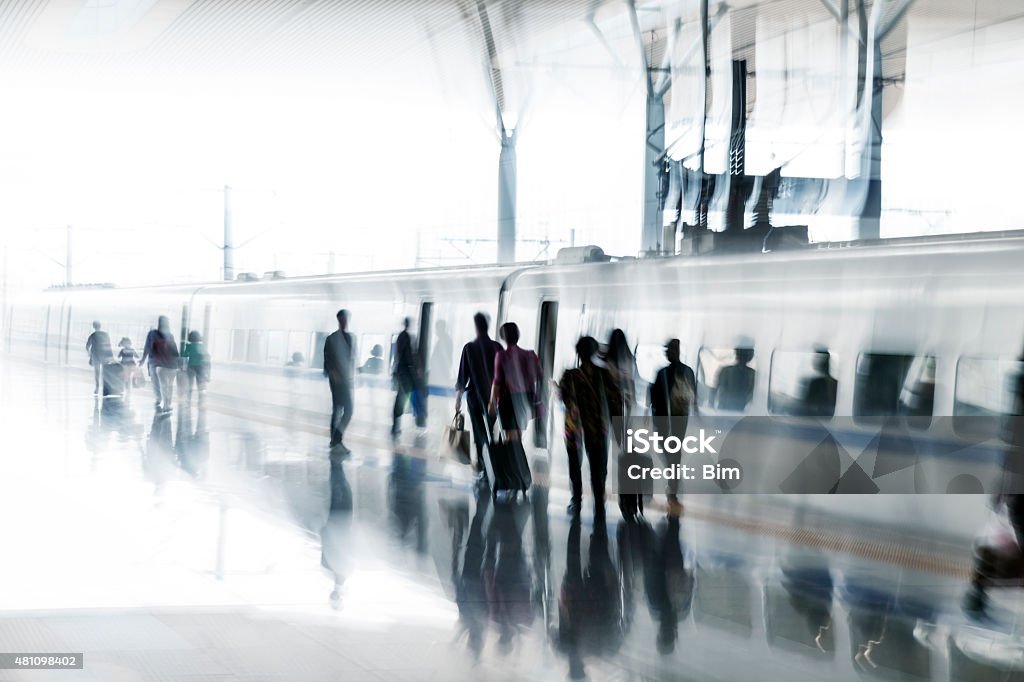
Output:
x=162 y=353
x=476 y=375
x=591 y=397
x=621 y=364
x=1000 y=555
x=515 y=398
x=339 y=368
x=404 y=371
x=197 y=364
x=129 y=359
x=673 y=399
x=98 y=348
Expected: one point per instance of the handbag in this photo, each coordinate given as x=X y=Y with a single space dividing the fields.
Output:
x=457 y=438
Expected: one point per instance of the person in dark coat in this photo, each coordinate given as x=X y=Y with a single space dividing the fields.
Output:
x=673 y=399
x=404 y=373
x=591 y=397
x=339 y=368
x=162 y=353
x=100 y=352
x=476 y=374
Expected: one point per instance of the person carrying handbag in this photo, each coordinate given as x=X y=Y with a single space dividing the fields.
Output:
x=475 y=378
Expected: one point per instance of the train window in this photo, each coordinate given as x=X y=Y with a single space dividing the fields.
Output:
x=318 y=349
x=220 y=345
x=889 y=385
x=441 y=372
x=984 y=392
x=276 y=348
x=650 y=357
x=298 y=342
x=725 y=378
x=257 y=349
x=238 y=338
x=803 y=384
x=372 y=358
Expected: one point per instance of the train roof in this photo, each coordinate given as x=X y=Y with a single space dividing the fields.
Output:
x=973 y=243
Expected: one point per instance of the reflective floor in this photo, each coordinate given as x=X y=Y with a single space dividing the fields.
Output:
x=214 y=544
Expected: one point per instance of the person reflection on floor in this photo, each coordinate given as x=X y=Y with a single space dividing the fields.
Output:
x=635 y=541
x=589 y=613
x=336 y=535
x=670 y=584
x=192 y=447
x=158 y=456
x=507 y=578
x=406 y=495
x=470 y=594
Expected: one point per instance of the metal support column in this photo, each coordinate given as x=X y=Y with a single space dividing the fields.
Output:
x=507 y=198
x=654 y=153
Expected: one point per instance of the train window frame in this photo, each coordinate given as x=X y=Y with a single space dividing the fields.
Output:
x=256 y=346
x=302 y=338
x=282 y=335
x=834 y=362
x=239 y=344
x=220 y=348
x=705 y=391
x=921 y=421
x=987 y=425
x=316 y=358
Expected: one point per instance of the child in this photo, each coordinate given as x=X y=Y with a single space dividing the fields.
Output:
x=128 y=357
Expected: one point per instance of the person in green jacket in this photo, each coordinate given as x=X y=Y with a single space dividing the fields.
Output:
x=197 y=363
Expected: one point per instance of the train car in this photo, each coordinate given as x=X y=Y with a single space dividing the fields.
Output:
x=923 y=328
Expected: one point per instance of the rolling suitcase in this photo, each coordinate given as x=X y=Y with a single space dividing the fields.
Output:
x=511 y=470
x=113 y=379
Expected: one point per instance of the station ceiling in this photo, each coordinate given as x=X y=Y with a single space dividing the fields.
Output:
x=330 y=36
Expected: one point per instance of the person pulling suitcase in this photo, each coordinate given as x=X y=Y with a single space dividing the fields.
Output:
x=515 y=398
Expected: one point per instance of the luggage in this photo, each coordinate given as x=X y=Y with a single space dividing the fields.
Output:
x=511 y=470
x=113 y=379
x=457 y=439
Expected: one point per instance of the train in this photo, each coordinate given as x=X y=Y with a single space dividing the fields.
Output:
x=933 y=324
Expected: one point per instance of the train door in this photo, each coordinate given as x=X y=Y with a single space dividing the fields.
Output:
x=421 y=392
x=546 y=334
x=423 y=341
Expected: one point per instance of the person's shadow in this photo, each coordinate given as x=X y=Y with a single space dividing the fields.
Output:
x=336 y=535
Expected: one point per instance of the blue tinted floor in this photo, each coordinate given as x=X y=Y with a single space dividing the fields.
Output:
x=214 y=544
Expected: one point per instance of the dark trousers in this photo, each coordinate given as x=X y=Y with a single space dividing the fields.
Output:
x=597 y=456
x=403 y=391
x=482 y=424
x=674 y=426
x=341 y=409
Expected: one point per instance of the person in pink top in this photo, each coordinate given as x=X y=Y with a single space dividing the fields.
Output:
x=515 y=391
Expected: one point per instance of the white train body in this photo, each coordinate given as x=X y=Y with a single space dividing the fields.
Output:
x=955 y=307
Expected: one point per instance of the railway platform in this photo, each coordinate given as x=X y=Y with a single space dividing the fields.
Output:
x=217 y=543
